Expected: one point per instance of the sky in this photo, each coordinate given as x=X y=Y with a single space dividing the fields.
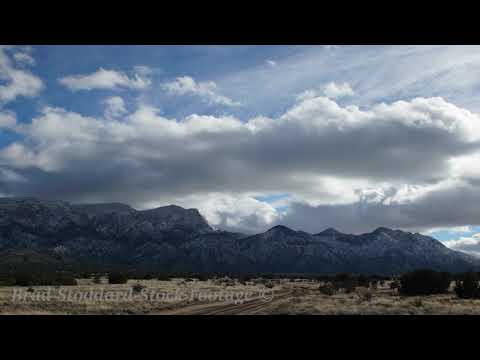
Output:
x=311 y=137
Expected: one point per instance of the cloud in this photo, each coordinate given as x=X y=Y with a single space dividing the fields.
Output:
x=114 y=107
x=469 y=244
x=331 y=47
x=391 y=164
x=7 y=119
x=450 y=230
x=335 y=91
x=24 y=58
x=234 y=212
x=450 y=205
x=16 y=82
x=207 y=90
x=331 y=90
x=271 y=63
x=106 y=79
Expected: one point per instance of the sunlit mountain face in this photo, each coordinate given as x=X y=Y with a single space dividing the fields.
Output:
x=309 y=137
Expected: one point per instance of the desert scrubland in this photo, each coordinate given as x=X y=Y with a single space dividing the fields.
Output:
x=224 y=296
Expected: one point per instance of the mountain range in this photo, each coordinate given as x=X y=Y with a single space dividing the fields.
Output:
x=171 y=238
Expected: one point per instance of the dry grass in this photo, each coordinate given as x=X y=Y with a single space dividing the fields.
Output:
x=289 y=298
x=191 y=292
x=380 y=301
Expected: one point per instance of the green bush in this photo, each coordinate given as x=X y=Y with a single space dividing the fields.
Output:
x=327 y=289
x=345 y=281
x=43 y=279
x=467 y=286
x=137 y=288
x=363 y=281
x=117 y=278
x=424 y=282
x=395 y=285
x=65 y=280
x=164 y=277
x=7 y=281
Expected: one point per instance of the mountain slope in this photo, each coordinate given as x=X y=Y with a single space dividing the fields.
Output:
x=172 y=238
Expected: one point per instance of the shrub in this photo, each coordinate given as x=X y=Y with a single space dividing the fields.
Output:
x=163 y=277
x=137 y=288
x=327 y=289
x=44 y=279
x=7 y=281
x=27 y=279
x=342 y=277
x=467 y=286
x=243 y=279
x=269 y=285
x=346 y=281
x=424 y=282
x=349 y=286
x=97 y=279
x=417 y=303
x=117 y=278
x=65 y=280
x=365 y=295
x=362 y=281
x=395 y=285
x=202 y=277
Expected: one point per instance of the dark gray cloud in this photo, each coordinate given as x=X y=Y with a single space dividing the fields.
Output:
x=451 y=206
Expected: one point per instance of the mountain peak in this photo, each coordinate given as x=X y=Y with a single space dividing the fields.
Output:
x=174 y=215
x=167 y=207
x=329 y=232
x=281 y=228
x=383 y=229
x=104 y=208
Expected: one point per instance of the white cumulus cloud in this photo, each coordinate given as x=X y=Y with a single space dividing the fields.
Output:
x=24 y=58
x=331 y=90
x=355 y=169
x=334 y=90
x=206 y=90
x=7 y=119
x=114 y=107
x=17 y=82
x=106 y=79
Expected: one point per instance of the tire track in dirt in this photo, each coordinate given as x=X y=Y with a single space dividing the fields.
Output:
x=232 y=309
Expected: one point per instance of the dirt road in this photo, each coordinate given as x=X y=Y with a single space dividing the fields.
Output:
x=252 y=306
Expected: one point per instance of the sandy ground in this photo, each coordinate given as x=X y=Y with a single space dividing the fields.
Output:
x=177 y=297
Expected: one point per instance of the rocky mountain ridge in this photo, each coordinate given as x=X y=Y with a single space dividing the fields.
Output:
x=171 y=238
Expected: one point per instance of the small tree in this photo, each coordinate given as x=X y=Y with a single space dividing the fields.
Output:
x=345 y=281
x=137 y=288
x=363 y=281
x=65 y=280
x=164 y=277
x=117 y=278
x=467 y=286
x=327 y=289
x=424 y=282
x=395 y=285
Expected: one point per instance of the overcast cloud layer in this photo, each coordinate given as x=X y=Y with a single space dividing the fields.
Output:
x=408 y=162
